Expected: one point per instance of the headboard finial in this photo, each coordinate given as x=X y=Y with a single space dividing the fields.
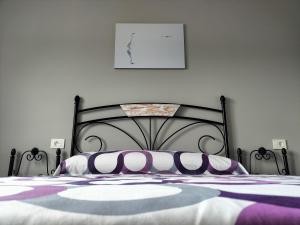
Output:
x=13 y=151
x=222 y=98
x=77 y=99
x=283 y=151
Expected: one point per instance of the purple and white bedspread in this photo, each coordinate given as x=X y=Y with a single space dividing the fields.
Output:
x=150 y=199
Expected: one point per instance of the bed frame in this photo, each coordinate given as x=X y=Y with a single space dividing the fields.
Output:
x=149 y=134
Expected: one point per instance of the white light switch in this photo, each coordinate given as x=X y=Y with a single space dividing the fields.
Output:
x=279 y=144
x=57 y=143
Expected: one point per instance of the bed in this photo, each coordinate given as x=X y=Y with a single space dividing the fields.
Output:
x=153 y=185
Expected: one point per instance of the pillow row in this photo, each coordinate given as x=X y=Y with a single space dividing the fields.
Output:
x=136 y=162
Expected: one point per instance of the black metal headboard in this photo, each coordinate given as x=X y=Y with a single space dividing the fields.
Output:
x=150 y=138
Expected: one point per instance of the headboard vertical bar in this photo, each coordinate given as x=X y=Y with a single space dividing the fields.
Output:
x=75 y=119
x=223 y=105
x=150 y=133
x=11 y=162
x=58 y=153
x=239 y=153
x=285 y=162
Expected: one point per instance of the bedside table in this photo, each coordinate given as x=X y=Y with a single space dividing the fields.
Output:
x=34 y=154
x=266 y=154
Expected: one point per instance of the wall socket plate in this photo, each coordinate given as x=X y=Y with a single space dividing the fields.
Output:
x=57 y=143
x=279 y=143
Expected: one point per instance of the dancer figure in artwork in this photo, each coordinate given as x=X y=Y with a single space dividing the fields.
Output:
x=129 y=48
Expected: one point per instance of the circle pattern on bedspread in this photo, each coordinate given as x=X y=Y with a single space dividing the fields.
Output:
x=187 y=165
x=163 y=162
x=137 y=161
x=172 y=196
x=125 y=192
x=120 y=162
x=95 y=162
x=191 y=161
x=24 y=192
x=221 y=165
x=107 y=163
x=12 y=190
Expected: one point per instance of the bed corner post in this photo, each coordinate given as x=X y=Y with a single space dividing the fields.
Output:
x=58 y=155
x=285 y=162
x=74 y=129
x=222 y=100
x=11 y=162
x=239 y=153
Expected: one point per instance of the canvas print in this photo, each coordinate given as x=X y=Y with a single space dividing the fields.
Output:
x=140 y=45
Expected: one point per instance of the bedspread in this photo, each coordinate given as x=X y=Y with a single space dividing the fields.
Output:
x=150 y=199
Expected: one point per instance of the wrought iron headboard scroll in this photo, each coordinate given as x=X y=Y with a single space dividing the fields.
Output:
x=150 y=140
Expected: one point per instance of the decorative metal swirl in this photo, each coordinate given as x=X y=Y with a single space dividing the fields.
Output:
x=98 y=138
x=147 y=142
x=259 y=156
x=192 y=124
x=265 y=154
x=101 y=143
x=33 y=154
x=213 y=138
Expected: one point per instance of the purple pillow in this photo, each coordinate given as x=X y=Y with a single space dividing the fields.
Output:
x=143 y=162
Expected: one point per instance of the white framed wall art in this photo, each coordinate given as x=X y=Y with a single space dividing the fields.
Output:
x=153 y=46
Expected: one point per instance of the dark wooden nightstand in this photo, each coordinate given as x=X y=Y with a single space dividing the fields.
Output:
x=266 y=154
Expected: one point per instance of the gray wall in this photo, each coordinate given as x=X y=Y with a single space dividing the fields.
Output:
x=246 y=50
